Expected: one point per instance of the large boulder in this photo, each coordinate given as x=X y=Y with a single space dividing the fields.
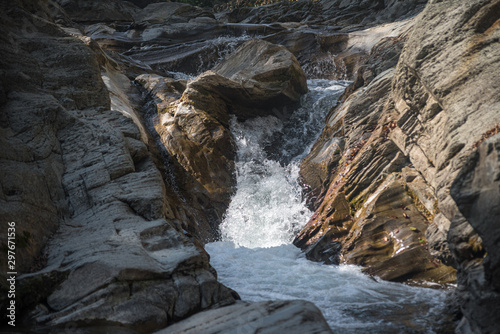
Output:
x=268 y=77
x=295 y=316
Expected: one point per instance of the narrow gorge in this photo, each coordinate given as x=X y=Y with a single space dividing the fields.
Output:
x=308 y=166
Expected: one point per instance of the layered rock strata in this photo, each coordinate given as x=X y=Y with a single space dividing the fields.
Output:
x=103 y=230
x=329 y=38
x=97 y=240
x=398 y=176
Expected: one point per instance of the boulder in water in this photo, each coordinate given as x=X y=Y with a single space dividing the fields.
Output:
x=259 y=79
x=268 y=78
x=297 y=316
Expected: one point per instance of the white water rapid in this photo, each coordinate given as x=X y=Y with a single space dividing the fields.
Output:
x=256 y=257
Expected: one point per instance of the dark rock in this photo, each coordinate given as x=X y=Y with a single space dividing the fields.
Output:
x=348 y=14
x=476 y=191
x=170 y=12
x=99 y=240
x=99 y=11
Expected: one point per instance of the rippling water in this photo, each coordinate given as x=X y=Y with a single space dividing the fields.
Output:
x=256 y=258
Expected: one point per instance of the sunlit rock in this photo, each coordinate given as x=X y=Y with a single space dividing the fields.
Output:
x=296 y=316
x=98 y=241
x=269 y=79
x=258 y=79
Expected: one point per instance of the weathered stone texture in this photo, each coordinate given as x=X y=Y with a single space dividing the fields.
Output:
x=193 y=120
x=296 y=316
x=75 y=162
x=442 y=102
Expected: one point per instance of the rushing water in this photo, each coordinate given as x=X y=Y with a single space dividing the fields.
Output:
x=256 y=258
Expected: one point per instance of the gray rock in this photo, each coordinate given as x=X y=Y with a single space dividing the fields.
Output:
x=269 y=77
x=476 y=191
x=171 y=12
x=296 y=316
x=77 y=168
x=446 y=95
x=443 y=102
x=346 y=14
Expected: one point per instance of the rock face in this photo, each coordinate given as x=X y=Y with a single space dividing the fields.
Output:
x=446 y=102
x=331 y=39
x=265 y=317
x=113 y=192
x=72 y=162
x=395 y=146
x=170 y=36
x=366 y=212
x=340 y=13
x=110 y=201
x=99 y=11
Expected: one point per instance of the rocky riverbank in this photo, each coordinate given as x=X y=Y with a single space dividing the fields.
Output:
x=117 y=170
x=399 y=168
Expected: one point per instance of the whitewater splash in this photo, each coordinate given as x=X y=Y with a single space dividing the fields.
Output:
x=267 y=206
x=268 y=209
x=256 y=258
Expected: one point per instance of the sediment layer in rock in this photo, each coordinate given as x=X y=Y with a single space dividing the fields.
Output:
x=416 y=129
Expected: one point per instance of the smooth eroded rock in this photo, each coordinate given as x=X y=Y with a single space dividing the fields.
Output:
x=477 y=194
x=296 y=316
x=269 y=76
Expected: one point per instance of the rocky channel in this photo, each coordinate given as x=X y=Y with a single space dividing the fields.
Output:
x=118 y=155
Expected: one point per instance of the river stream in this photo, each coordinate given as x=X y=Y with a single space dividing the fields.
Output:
x=256 y=257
